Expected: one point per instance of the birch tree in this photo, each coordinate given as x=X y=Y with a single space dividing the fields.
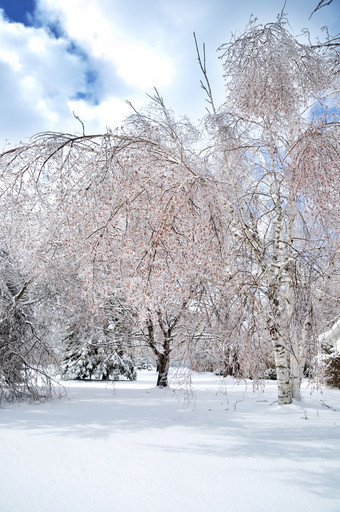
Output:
x=277 y=150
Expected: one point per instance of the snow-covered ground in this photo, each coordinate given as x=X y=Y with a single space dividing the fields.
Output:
x=130 y=447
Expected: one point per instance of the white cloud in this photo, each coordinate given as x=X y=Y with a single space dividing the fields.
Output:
x=108 y=114
x=37 y=45
x=87 y=56
x=37 y=77
x=94 y=27
x=91 y=68
x=11 y=58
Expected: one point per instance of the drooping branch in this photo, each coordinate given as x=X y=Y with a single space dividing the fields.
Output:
x=322 y=3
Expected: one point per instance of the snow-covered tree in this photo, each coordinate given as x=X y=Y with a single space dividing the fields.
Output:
x=100 y=345
x=276 y=164
x=90 y=357
x=24 y=353
x=153 y=210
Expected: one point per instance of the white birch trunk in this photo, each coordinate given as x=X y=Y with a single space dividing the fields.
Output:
x=296 y=377
x=298 y=360
x=284 y=390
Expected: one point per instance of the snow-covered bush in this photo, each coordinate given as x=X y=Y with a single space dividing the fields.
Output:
x=99 y=346
x=96 y=359
x=270 y=374
x=144 y=363
x=331 y=370
x=24 y=353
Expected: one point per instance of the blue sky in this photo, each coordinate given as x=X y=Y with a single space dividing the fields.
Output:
x=88 y=56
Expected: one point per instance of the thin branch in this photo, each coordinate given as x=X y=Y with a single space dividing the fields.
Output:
x=81 y=122
x=321 y=4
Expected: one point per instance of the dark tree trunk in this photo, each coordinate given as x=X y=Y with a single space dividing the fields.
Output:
x=163 y=365
x=164 y=351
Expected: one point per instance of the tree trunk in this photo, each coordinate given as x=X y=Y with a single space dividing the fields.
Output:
x=163 y=365
x=283 y=375
x=296 y=377
x=163 y=358
x=298 y=361
x=282 y=365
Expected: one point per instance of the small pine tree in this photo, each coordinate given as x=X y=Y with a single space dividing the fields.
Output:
x=80 y=359
x=101 y=351
x=94 y=360
x=114 y=367
x=331 y=373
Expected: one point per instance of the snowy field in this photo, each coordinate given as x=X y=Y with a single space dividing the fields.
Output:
x=130 y=447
